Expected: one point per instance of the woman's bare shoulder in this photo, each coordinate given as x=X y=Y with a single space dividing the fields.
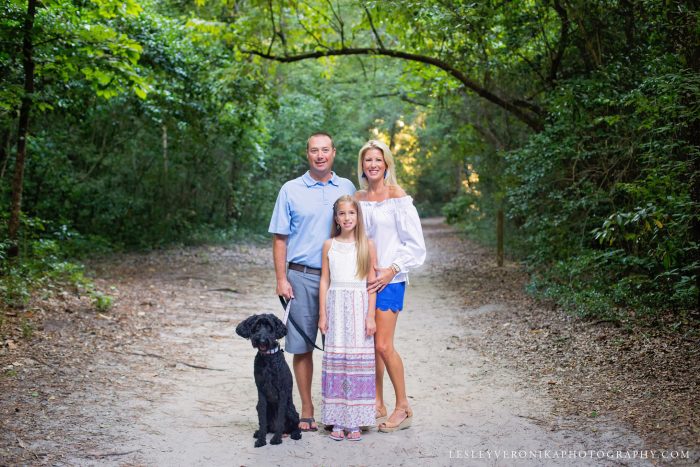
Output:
x=396 y=191
x=360 y=195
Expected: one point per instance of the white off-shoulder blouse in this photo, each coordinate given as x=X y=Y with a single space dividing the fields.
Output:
x=394 y=226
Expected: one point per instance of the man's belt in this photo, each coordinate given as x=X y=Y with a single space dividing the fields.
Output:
x=304 y=269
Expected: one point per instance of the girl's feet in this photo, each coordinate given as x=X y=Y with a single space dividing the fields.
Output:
x=399 y=420
x=337 y=434
x=351 y=434
x=354 y=434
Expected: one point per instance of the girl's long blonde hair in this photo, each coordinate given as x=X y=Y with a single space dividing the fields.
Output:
x=361 y=242
x=390 y=177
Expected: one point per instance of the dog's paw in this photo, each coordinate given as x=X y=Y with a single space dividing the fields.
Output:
x=296 y=434
x=260 y=442
x=277 y=439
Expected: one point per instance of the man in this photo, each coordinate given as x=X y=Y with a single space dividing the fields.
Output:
x=300 y=223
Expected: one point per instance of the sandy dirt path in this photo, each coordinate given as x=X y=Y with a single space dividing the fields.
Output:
x=179 y=389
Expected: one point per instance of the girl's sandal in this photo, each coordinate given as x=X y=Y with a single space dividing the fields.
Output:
x=354 y=435
x=337 y=435
x=388 y=427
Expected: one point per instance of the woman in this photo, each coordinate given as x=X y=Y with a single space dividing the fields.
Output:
x=393 y=225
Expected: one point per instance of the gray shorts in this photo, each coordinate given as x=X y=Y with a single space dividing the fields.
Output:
x=304 y=311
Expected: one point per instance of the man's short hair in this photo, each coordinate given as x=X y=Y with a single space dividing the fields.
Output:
x=320 y=133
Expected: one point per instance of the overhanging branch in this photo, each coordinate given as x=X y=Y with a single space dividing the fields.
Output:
x=532 y=120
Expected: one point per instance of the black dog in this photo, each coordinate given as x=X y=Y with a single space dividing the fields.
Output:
x=276 y=412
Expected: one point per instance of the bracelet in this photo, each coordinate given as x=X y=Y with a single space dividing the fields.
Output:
x=395 y=267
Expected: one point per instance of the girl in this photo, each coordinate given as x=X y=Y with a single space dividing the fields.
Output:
x=346 y=318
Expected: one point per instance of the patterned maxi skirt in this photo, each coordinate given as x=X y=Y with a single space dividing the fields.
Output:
x=348 y=374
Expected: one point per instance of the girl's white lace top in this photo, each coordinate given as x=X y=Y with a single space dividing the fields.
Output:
x=394 y=226
x=342 y=262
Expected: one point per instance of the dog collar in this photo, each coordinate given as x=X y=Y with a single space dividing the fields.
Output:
x=271 y=351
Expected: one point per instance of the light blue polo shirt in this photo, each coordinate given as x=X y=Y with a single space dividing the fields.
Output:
x=304 y=212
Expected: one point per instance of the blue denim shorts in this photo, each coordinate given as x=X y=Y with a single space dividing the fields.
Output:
x=391 y=298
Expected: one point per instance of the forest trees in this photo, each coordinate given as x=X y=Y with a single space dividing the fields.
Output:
x=63 y=44
x=162 y=122
x=124 y=99
x=603 y=189
x=136 y=138
x=607 y=196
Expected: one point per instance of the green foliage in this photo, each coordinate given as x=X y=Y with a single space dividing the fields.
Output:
x=600 y=203
x=100 y=301
x=14 y=288
x=27 y=328
x=72 y=43
x=44 y=267
x=463 y=209
x=144 y=172
x=605 y=194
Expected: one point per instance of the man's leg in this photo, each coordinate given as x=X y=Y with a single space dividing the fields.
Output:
x=303 y=372
x=304 y=310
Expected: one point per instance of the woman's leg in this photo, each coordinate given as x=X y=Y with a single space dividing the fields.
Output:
x=384 y=345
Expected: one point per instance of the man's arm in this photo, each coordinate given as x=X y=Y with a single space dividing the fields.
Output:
x=279 y=256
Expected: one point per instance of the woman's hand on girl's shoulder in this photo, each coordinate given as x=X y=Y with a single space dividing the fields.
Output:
x=396 y=191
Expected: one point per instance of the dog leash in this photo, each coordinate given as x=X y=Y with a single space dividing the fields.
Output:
x=287 y=305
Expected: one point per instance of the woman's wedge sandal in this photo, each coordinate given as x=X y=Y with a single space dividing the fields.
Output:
x=378 y=419
x=388 y=427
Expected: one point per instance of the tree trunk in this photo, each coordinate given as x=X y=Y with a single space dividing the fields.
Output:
x=165 y=149
x=24 y=111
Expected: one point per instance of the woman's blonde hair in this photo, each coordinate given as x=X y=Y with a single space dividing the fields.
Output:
x=390 y=176
x=361 y=242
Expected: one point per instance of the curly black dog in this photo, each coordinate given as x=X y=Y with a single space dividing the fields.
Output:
x=276 y=411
